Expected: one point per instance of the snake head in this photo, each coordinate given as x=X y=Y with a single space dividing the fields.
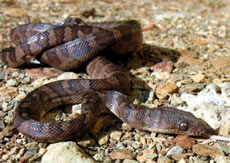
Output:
x=183 y=122
x=172 y=121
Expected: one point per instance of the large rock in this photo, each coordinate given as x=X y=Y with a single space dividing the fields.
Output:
x=66 y=152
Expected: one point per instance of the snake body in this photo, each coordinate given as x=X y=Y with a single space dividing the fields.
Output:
x=69 y=44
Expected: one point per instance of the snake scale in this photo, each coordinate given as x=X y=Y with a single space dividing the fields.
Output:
x=69 y=44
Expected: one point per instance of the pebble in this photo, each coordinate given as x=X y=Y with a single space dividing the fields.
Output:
x=27 y=80
x=2 y=125
x=184 y=141
x=223 y=147
x=143 y=140
x=129 y=161
x=198 y=78
x=86 y=142
x=14 y=74
x=121 y=154
x=103 y=140
x=12 y=83
x=21 y=75
x=2 y=76
x=116 y=135
x=147 y=155
x=68 y=75
x=20 y=153
x=222 y=159
x=206 y=150
x=194 y=87
x=158 y=148
x=164 y=159
x=65 y=152
x=165 y=89
x=99 y=156
x=174 y=150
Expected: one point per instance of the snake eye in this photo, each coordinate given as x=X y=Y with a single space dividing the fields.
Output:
x=183 y=126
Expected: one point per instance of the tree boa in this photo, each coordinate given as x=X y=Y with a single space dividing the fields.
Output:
x=69 y=44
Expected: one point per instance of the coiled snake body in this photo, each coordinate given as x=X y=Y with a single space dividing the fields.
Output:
x=66 y=46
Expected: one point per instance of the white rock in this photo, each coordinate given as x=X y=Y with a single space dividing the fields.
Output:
x=66 y=152
x=211 y=104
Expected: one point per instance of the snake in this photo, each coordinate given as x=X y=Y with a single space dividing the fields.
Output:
x=70 y=44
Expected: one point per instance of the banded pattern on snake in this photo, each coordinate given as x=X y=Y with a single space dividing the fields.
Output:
x=69 y=44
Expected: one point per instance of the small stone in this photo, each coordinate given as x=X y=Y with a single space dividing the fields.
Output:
x=164 y=159
x=126 y=127
x=99 y=156
x=103 y=140
x=206 y=150
x=174 y=150
x=194 y=87
x=129 y=161
x=14 y=74
x=120 y=145
x=2 y=76
x=223 y=147
x=184 y=141
x=160 y=75
x=12 y=83
x=116 y=135
x=5 y=156
x=148 y=155
x=65 y=152
x=42 y=151
x=201 y=42
x=86 y=142
x=21 y=75
x=27 y=80
x=198 y=78
x=20 y=153
x=135 y=145
x=165 y=66
x=68 y=75
x=143 y=140
x=182 y=161
x=181 y=156
x=2 y=125
x=121 y=154
x=222 y=159
x=158 y=148
x=165 y=89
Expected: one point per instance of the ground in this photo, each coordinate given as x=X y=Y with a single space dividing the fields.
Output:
x=184 y=62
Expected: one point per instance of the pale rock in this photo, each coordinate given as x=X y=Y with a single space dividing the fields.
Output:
x=121 y=154
x=129 y=161
x=103 y=140
x=212 y=105
x=65 y=152
x=86 y=142
x=165 y=89
x=198 y=78
x=68 y=75
x=222 y=159
x=174 y=150
x=116 y=135
x=164 y=159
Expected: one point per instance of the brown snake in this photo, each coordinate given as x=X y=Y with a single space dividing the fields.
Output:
x=69 y=44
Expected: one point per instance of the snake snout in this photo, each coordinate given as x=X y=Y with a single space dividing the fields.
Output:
x=201 y=128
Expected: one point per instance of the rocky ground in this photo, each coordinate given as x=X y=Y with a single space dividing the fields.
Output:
x=196 y=80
